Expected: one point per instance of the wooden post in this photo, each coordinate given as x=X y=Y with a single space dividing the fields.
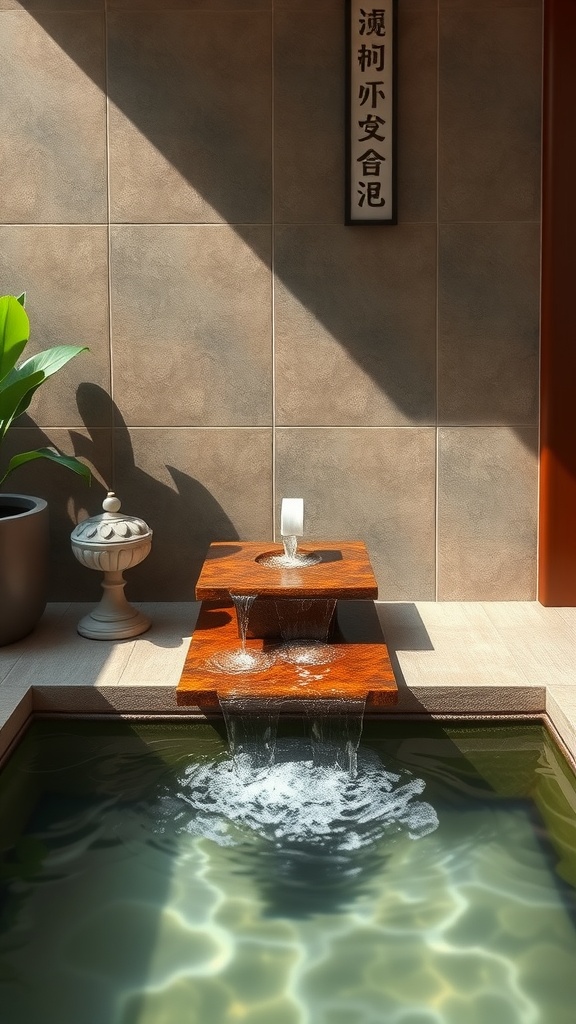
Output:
x=557 y=557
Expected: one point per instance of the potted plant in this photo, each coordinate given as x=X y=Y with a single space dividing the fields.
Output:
x=23 y=518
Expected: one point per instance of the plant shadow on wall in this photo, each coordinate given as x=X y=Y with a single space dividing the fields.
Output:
x=185 y=518
x=186 y=148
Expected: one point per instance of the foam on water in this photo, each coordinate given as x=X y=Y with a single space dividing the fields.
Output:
x=300 y=560
x=295 y=802
x=239 y=661
x=290 y=558
x=308 y=652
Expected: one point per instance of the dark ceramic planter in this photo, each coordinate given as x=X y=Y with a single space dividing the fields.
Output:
x=23 y=564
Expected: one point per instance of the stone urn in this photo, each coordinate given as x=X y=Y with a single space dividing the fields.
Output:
x=24 y=551
x=112 y=542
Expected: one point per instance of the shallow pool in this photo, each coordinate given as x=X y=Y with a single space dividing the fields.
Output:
x=146 y=879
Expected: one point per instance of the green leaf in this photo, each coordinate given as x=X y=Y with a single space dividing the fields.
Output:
x=48 y=362
x=21 y=299
x=13 y=397
x=14 y=333
x=55 y=456
x=51 y=359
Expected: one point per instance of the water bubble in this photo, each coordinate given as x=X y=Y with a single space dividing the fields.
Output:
x=297 y=803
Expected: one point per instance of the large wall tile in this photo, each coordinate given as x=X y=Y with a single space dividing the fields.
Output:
x=355 y=325
x=52 y=118
x=489 y=283
x=192 y=486
x=417 y=113
x=162 y=6
x=375 y=485
x=487 y=504
x=40 y=6
x=308 y=105
x=193 y=169
x=191 y=325
x=487 y=4
x=69 y=497
x=64 y=271
x=307 y=5
x=490 y=84
x=337 y=5
x=190 y=116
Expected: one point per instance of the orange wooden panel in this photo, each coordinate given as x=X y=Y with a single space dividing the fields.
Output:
x=557 y=547
x=363 y=670
x=231 y=567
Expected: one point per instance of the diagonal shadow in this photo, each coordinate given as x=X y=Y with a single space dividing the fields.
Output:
x=188 y=516
x=192 y=101
x=203 y=102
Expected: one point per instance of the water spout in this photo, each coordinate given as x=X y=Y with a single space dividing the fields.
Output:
x=291 y=527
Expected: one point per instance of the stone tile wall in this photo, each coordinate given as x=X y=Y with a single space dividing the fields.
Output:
x=172 y=196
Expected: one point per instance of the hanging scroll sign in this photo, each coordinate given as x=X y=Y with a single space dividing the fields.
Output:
x=370 y=113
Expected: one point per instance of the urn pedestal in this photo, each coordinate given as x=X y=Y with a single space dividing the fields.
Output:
x=112 y=542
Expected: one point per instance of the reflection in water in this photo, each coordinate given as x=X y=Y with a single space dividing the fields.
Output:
x=310 y=833
x=155 y=880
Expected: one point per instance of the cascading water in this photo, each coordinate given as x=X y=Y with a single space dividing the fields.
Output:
x=335 y=730
x=290 y=545
x=313 y=807
x=288 y=799
x=251 y=736
x=323 y=791
x=292 y=615
x=241 y=660
x=295 y=819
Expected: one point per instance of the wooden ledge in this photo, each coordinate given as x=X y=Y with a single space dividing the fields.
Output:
x=362 y=670
x=232 y=567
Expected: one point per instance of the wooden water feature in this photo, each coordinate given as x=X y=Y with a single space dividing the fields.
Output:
x=330 y=601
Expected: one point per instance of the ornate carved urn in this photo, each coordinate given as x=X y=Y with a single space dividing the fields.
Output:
x=112 y=542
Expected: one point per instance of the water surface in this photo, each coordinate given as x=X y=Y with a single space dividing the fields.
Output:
x=146 y=879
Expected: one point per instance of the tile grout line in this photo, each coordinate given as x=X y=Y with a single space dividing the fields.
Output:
x=234 y=224
x=283 y=426
x=273 y=267
x=539 y=425
x=436 y=382
x=111 y=483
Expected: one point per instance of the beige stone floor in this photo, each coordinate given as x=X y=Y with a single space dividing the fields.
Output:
x=450 y=658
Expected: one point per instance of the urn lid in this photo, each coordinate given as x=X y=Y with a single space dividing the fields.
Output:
x=111 y=526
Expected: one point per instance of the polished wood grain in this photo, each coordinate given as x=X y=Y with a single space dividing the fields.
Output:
x=302 y=618
x=363 y=669
x=231 y=567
